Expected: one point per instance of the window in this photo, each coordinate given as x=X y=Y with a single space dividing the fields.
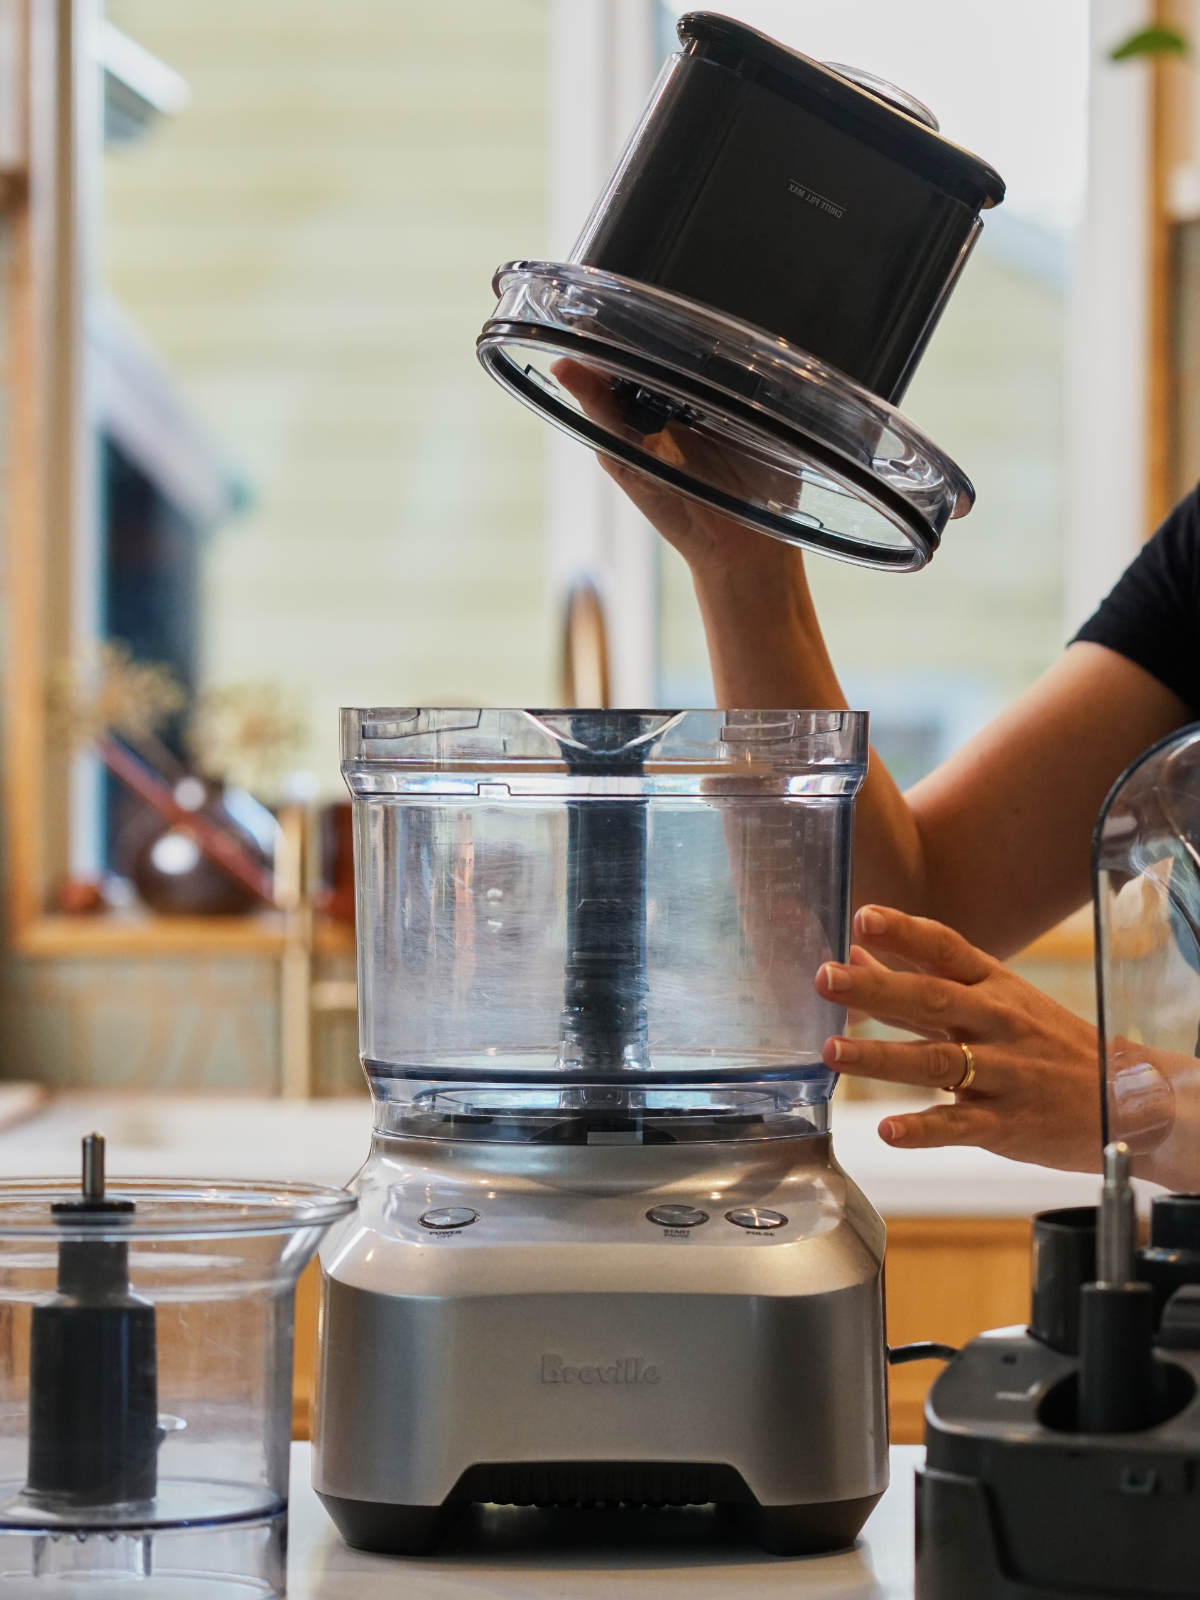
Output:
x=308 y=479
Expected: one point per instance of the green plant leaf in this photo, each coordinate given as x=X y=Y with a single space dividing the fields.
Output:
x=1155 y=41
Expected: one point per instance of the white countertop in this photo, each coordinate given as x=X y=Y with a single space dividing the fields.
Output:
x=325 y=1141
x=512 y=1556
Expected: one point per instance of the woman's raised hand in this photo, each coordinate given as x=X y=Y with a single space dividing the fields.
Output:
x=701 y=535
x=1035 y=1095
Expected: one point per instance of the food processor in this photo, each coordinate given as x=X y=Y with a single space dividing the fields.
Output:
x=754 y=290
x=1064 y=1458
x=603 y=1251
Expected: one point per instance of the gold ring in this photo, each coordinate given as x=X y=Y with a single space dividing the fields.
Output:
x=968 y=1077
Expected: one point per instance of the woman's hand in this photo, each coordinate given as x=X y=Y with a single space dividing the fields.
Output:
x=764 y=640
x=704 y=537
x=1036 y=1091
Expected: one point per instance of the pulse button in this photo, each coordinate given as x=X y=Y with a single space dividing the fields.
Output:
x=756 y=1218
x=444 y=1217
x=676 y=1216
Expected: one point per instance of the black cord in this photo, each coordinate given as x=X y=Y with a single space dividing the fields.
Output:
x=923 y=1350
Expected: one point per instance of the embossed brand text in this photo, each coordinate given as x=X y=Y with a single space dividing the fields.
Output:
x=629 y=1369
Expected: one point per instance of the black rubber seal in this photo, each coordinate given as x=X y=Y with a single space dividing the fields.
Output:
x=499 y=363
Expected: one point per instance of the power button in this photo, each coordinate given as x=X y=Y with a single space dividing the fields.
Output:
x=443 y=1217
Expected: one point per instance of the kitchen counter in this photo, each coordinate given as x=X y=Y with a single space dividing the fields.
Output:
x=522 y=1555
x=325 y=1141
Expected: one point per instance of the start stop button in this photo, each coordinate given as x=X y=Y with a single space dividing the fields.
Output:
x=676 y=1216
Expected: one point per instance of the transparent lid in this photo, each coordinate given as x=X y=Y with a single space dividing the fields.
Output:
x=722 y=411
x=193 y=1208
x=1146 y=860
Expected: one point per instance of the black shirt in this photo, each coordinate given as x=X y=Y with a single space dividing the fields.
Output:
x=1152 y=614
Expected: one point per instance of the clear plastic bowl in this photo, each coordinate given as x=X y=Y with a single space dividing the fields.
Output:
x=217 y=1262
x=577 y=924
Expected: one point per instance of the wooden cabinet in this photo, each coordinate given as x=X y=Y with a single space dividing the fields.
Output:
x=308 y=1300
x=948 y=1278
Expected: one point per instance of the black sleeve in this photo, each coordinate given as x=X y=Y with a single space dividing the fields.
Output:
x=1152 y=615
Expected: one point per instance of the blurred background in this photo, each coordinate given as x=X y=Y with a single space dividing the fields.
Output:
x=252 y=469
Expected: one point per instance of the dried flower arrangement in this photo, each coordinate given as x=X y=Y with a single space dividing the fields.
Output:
x=245 y=734
x=111 y=693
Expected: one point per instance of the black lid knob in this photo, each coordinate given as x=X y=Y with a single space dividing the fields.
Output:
x=1175 y=1222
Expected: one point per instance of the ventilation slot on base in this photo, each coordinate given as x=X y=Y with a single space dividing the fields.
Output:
x=599 y=1483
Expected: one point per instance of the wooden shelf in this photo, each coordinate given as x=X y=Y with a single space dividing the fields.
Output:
x=333 y=938
x=14 y=185
x=142 y=934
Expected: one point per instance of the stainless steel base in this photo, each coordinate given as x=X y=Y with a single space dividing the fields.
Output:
x=564 y=1348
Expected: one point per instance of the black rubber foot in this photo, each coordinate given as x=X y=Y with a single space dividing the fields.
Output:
x=386 y=1530
x=815 y=1530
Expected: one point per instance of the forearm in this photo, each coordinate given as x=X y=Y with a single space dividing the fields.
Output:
x=995 y=842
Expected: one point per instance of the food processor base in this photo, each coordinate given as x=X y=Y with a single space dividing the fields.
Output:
x=690 y=1324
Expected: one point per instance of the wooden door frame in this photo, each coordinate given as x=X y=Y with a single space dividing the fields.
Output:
x=44 y=308
x=1175 y=156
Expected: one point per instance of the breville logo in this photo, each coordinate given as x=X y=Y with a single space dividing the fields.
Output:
x=629 y=1369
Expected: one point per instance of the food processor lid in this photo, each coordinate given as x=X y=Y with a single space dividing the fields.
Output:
x=1146 y=866
x=723 y=411
x=852 y=97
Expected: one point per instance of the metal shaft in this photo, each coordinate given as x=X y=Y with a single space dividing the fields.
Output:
x=1116 y=1235
x=604 y=1020
x=93 y=1166
x=1119 y=1379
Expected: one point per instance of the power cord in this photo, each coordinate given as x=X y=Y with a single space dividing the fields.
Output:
x=923 y=1350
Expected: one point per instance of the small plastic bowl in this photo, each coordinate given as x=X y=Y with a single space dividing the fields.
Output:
x=199 y=1280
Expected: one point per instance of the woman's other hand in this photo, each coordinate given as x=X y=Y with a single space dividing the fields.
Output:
x=1036 y=1091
